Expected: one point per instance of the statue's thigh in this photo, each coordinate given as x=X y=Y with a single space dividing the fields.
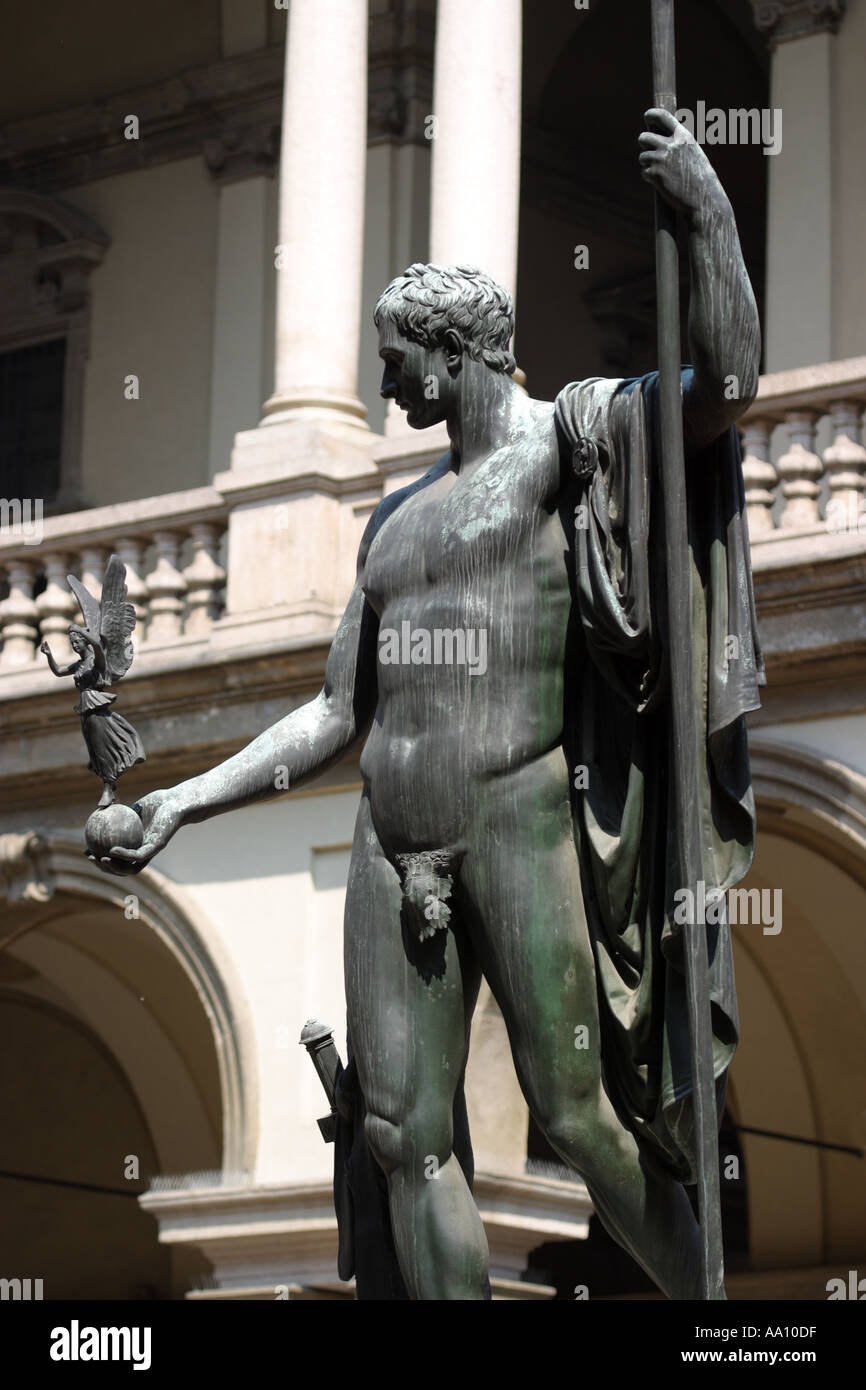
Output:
x=408 y=1004
x=524 y=907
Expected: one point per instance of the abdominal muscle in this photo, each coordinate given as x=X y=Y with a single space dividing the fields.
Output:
x=439 y=751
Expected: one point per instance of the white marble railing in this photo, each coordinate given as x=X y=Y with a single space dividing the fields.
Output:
x=791 y=481
x=170 y=546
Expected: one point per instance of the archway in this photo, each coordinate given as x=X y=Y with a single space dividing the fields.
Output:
x=800 y=1074
x=122 y=1061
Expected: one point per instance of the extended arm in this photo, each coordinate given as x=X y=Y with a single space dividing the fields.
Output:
x=724 y=332
x=58 y=670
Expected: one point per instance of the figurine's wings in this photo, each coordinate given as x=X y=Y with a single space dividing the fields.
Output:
x=88 y=604
x=117 y=620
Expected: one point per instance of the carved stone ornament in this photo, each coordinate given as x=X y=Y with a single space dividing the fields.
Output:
x=25 y=875
x=238 y=154
x=795 y=19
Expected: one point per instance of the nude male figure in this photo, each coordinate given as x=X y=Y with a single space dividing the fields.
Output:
x=464 y=859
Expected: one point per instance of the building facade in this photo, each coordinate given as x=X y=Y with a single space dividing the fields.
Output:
x=198 y=211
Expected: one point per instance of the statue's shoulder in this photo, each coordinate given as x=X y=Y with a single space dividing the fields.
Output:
x=395 y=500
x=583 y=414
x=582 y=407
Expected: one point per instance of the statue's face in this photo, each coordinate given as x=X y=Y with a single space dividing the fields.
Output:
x=77 y=642
x=417 y=378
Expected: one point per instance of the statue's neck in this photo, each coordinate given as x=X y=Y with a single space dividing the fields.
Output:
x=488 y=408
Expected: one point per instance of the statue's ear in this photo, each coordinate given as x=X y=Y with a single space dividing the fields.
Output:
x=453 y=348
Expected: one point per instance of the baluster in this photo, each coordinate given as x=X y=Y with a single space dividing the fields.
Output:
x=205 y=578
x=167 y=588
x=845 y=462
x=759 y=476
x=57 y=608
x=130 y=549
x=19 y=616
x=800 y=469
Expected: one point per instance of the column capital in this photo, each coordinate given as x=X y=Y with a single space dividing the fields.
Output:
x=781 y=20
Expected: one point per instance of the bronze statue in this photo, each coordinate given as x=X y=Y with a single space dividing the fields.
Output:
x=519 y=821
x=104 y=652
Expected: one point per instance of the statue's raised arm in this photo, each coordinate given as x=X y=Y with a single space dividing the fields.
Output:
x=724 y=330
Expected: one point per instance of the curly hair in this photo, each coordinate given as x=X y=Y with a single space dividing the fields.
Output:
x=426 y=300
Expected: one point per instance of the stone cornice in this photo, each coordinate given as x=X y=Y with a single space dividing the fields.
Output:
x=235 y=102
x=780 y=20
x=229 y=111
x=810 y=593
x=253 y=1233
x=808 y=388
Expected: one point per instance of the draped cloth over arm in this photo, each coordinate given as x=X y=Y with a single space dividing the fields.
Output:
x=618 y=726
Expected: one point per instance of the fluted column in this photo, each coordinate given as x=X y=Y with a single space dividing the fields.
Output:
x=476 y=136
x=319 y=256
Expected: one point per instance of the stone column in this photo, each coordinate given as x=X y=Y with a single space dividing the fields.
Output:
x=321 y=214
x=290 y=551
x=476 y=136
x=798 y=319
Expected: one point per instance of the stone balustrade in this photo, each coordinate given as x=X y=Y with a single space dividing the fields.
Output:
x=804 y=468
x=791 y=482
x=170 y=545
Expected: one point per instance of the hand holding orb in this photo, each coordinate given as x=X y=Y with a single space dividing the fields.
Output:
x=113 y=827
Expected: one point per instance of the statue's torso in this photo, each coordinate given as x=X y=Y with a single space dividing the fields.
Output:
x=484 y=554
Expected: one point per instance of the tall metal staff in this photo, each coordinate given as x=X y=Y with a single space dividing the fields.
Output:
x=685 y=731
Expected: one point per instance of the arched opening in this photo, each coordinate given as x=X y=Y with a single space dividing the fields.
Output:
x=119 y=1064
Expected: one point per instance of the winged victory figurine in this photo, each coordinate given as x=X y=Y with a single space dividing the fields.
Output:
x=103 y=647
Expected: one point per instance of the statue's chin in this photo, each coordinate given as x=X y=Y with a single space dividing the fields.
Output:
x=415 y=424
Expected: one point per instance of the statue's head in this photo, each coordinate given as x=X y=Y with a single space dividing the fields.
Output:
x=77 y=639
x=429 y=319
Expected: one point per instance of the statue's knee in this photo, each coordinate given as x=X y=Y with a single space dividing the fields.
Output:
x=570 y=1128
x=387 y=1141
x=408 y=1146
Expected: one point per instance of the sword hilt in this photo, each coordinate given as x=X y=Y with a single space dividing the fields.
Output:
x=318 y=1039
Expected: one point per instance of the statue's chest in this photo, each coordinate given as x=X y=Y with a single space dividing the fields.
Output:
x=461 y=532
